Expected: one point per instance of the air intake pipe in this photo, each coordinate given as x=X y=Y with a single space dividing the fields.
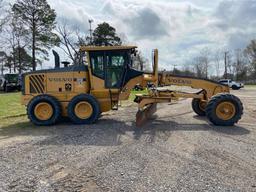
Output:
x=56 y=58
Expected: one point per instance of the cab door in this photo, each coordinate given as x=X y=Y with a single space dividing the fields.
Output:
x=115 y=66
x=108 y=74
x=109 y=67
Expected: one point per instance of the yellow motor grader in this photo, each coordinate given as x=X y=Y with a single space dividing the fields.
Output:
x=104 y=77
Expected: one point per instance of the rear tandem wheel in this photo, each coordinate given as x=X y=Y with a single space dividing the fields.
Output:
x=84 y=109
x=44 y=110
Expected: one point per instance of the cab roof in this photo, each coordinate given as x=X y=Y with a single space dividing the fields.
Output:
x=105 y=48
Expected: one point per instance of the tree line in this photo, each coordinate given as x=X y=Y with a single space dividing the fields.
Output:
x=29 y=30
x=238 y=64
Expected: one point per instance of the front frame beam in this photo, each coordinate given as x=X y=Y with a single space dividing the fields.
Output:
x=164 y=97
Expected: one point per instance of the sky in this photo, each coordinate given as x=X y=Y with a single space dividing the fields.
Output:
x=180 y=29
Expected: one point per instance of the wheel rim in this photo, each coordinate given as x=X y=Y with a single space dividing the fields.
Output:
x=226 y=110
x=43 y=111
x=83 y=110
x=202 y=105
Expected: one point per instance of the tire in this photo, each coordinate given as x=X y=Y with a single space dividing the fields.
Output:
x=233 y=113
x=48 y=101
x=6 y=89
x=234 y=87
x=197 y=108
x=86 y=116
x=19 y=88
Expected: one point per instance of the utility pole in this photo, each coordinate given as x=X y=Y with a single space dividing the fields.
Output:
x=174 y=68
x=90 y=30
x=226 y=73
x=2 y=68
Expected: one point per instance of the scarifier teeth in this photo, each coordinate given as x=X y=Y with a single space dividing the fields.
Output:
x=143 y=115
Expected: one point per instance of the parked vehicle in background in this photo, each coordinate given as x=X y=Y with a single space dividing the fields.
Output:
x=232 y=84
x=9 y=82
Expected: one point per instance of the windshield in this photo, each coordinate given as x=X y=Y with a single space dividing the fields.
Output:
x=12 y=78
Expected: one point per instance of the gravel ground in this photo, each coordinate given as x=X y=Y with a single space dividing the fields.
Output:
x=177 y=151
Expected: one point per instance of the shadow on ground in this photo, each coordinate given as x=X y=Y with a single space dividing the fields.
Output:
x=108 y=132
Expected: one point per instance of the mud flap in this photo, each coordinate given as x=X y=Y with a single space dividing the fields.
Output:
x=143 y=115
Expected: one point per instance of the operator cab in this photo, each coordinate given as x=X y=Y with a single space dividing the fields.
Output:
x=112 y=64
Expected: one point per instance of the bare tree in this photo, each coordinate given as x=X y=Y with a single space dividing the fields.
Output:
x=205 y=59
x=240 y=65
x=229 y=58
x=14 y=40
x=202 y=63
x=2 y=18
x=139 y=62
x=250 y=52
x=70 y=41
x=217 y=61
x=2 y=61
x=3 y=21
x=9 y=63
x=199 y=67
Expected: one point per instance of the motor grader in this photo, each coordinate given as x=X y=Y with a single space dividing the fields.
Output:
x=105 y=76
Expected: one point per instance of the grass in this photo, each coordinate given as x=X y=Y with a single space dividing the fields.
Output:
x=133 y=93
x=10 y=105
x=250 y=86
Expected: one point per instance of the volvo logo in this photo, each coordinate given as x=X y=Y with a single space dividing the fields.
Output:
x=181 y=81
x=61 y=79
x=68 y=87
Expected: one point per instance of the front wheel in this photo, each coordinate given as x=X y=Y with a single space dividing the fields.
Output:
x=224 y=110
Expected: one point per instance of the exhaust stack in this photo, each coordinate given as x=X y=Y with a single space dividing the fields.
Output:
x=57 y=59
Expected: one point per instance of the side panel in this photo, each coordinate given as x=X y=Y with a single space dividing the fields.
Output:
x=59 y=82
x=211 y=87
x=67 y=82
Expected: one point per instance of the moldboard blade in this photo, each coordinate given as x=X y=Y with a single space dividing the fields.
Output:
x=145 y=114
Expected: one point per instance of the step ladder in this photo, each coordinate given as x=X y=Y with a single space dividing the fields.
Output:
x=114 y=98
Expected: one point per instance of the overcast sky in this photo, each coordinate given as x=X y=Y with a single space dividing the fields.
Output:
x=178 y=28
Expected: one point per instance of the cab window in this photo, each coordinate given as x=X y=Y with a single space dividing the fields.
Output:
x=97 y=62
x=110 y=66
x=116 y=60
